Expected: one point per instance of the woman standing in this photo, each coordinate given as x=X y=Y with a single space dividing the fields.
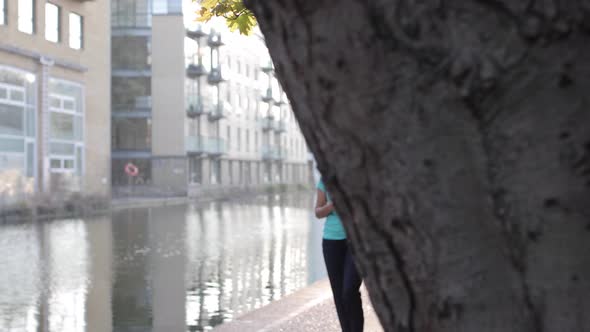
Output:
x=344 y=278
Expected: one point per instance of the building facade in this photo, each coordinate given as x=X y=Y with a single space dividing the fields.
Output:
x=54 y=97
x=196 y=107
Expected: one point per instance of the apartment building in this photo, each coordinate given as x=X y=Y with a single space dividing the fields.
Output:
x=54 y=97
x=196 y=107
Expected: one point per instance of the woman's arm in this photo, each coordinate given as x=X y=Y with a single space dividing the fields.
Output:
x=322 y=207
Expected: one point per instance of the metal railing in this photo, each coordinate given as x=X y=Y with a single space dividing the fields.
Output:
x=194 y=106
x=269 y=153
x=131 y=20
x=206 y=145
x=274 y=153
x=218 y=112
x=268 y=123
x=281 y=126
x=194 y=70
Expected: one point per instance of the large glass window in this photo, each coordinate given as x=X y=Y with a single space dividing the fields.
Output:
x=193 y=94
x=167 y=7
x=17 y=131
x=131 y=94
x=2 y=12
x=131 y=13
x=11 y=119
x=66 y=127
x=52 y=22
x=195 y=167
x=131 y=134
x=26 y=16
x=215 y=171
x=76 y=31
x=131 y=52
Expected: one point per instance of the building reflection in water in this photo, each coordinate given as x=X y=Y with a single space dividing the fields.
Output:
x=55 y=276
x=173 y=268
x=243 y=256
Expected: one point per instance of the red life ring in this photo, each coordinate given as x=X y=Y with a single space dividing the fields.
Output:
x=131 y=169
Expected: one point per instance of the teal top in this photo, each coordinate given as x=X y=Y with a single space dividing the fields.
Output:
x=333 y=229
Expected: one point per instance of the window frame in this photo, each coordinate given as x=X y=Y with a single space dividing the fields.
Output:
x=81 y=36
x=4 y=12
x=78 y=143
x=33 y=18
x=59 y=22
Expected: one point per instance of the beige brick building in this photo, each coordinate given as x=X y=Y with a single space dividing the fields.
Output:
x=54 y=97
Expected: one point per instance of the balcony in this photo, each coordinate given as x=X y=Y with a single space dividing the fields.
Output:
x=267 y=97
x=218 y=112
x=194 y=110
x=139 y=105
x=280 y=126
x=215 y=76
x=214 y=40
x=195 y=70
x=283 y=153
x=196 y=34
x=203 y=145
x=267 y=67
x=270 y=153
x=268 y=123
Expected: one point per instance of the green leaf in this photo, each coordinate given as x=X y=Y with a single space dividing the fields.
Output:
x=237 y=16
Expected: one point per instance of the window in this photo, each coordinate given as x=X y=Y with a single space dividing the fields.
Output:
x=131 y=52
x=52 y=22
x=247 y=70
x=76 y=31
x=26 y=16
x=2 y=12
x=238 y=66
x=247 y=140
x=131 y=134
x=195 y=170
x=228 y=138
x=17 y=129
x=238 y=102
x=214 y=58
x=66 y=127
x=216 y=171
x=239 y=139
x=256 y=141
x=167 y=7
x=131 y=94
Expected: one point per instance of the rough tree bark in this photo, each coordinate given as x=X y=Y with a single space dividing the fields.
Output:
x=454 y=137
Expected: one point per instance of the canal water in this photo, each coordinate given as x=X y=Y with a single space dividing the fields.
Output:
x=174 y=268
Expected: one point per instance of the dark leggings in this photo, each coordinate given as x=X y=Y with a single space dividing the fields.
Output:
x=345 y=282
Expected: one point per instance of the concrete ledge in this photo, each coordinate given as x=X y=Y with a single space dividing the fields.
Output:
x=310 y=309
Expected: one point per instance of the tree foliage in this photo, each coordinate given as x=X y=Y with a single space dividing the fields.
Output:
x=237 y=16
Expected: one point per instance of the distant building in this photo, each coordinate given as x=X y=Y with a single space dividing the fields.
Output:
x=196 y=107
x=54 y=97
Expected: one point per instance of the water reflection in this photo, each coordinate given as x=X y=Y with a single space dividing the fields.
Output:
x=47 y=282
x=174 y=268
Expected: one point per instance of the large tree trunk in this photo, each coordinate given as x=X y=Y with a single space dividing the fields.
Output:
x=454 y=137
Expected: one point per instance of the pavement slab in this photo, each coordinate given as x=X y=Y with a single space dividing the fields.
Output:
x=307 y=310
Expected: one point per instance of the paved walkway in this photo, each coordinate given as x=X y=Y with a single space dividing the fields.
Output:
x=310 y=309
